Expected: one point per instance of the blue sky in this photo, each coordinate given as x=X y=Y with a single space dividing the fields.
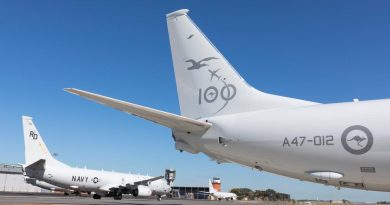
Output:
x=323 y=51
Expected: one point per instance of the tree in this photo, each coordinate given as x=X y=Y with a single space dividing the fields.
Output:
x=242 y=193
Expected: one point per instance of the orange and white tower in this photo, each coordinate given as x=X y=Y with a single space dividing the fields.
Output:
x=217 y=183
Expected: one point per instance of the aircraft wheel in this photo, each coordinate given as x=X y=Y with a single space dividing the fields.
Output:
x=118 y=197
x=96 y=196
x=158 y=198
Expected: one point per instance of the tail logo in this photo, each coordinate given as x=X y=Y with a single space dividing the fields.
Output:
x=357 y=139
x=33 y=135
x=196 y=65
x=218 y=87
x=214 y=74
x=210 y=94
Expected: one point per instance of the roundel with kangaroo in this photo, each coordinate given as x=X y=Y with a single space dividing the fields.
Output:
x=357 y=139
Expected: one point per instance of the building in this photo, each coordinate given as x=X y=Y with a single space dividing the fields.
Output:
x=190 y=192
x=12 y=179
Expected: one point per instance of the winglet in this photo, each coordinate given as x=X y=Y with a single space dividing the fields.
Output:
x=164 y=118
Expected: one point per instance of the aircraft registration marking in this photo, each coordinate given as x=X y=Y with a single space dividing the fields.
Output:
x=319 y=140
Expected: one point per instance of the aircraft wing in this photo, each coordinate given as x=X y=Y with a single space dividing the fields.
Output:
x=164 y=118
x=147 y=181
x=109 y=187
x=128 y=187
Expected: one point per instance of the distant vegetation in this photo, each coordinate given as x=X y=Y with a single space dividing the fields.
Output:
x=267 y=195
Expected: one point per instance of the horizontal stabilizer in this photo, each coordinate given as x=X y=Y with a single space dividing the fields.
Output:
x=164 y=118
x=38 y=165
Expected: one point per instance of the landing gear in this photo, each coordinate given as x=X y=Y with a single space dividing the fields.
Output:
x=96 y=196
x=118 y=196
x=158 y=198
x=135 y=192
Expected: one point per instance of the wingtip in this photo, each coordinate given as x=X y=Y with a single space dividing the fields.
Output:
x=68 y=89
x=71 y=90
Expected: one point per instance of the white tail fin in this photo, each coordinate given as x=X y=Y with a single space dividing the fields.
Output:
x=207 y=84
x=211 y=188
x=35 y=148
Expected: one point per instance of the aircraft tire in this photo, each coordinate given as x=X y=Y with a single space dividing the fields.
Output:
x=118 y=197
x=96 y=196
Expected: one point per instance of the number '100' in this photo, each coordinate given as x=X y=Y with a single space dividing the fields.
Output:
x=212 y=93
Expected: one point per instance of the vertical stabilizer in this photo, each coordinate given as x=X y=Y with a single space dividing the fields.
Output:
x=35 y=148
x=207 y=84
x=211 y=188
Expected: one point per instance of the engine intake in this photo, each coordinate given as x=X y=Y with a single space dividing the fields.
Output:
x=142 y=190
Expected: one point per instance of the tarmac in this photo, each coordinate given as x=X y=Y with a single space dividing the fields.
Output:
x=57 y=199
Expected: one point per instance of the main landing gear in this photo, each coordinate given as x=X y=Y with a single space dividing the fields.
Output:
x=96 y=196
x=118 y=196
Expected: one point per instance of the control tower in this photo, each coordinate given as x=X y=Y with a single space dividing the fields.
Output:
x=216 y=183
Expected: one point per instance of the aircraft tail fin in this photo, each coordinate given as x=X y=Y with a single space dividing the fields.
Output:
x=211 y=188
x=207 y=84
x=36 y=152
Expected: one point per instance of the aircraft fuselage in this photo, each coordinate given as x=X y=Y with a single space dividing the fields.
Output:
x=341 y=144
x=94 y=180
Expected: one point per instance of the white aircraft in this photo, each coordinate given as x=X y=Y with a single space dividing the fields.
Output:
x=221 y=195
x=339 y=144
x=42 y=166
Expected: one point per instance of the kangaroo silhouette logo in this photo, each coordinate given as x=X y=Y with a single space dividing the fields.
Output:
x=196 y=65
x=357 y=139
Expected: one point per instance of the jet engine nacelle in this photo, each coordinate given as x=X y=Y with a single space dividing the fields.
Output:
x=142 y=191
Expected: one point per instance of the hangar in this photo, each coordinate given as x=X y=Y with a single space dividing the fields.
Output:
x=12 y=179
x=190 y=192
